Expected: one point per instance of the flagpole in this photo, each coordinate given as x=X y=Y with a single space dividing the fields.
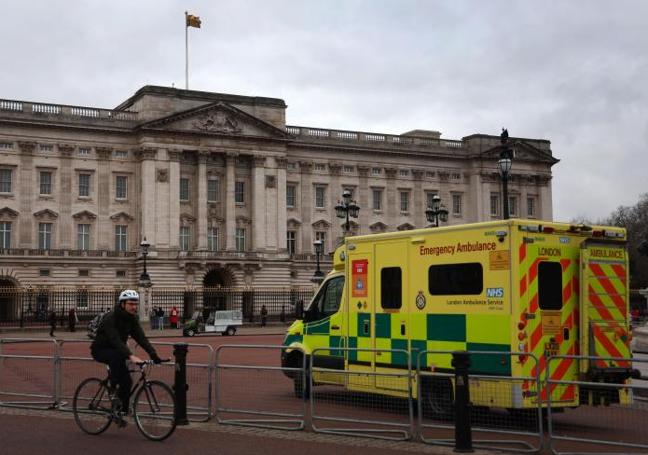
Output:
x=186 y=52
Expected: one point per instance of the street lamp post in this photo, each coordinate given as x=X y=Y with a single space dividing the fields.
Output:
x=318 y=276
x=436 y=212
x=145 y=279
x=347 y=208
x=504 y=166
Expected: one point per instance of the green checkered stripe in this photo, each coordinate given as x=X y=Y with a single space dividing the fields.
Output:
x=431 y=332
x=436 y=332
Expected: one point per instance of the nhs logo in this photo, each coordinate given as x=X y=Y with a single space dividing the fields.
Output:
x=497 y=293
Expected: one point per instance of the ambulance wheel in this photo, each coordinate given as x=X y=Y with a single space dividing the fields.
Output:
x=438 y=399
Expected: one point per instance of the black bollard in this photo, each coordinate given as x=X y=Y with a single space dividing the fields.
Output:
x=463 y=431
x=180 y=386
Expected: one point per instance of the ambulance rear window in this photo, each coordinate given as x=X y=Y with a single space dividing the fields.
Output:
x=391 y=287
x=550 y=286
x=456 y=279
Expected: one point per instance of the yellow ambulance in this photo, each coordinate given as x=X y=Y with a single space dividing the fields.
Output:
x=527 y=286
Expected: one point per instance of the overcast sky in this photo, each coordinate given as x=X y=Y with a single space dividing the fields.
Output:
x=573 y=72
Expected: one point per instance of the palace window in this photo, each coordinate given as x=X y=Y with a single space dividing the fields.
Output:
x=121 y=239
x=377 y=199
x=45 y=182
x=213 y=193
x=239 y=192
x=5 y=180
x=291 y=196
x=291 y=244
x=84 y=185
x=184 y=189
x=5 y=234
x=240 y=239
x=83 y=236
x=185 y=237
x=121 y=187
x=212 y=239
x=44 y=236
x=320 y=197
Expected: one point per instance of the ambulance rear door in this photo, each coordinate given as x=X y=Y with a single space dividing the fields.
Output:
x=604 y=320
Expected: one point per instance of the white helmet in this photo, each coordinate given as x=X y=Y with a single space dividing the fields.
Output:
x=128 y=294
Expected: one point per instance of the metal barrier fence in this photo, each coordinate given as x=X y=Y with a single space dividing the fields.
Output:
x=343 y=403
x=436 y=408
x=363 y=399
x=246 y=387
x=28 y=380
x=610 y=416
x=32 y=307
x=200 y=361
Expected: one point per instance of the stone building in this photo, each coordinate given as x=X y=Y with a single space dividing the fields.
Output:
x=226 y=193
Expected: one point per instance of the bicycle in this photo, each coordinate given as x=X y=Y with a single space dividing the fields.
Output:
x=96 y=405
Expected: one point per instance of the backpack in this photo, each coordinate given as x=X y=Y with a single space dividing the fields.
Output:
x=93 y=326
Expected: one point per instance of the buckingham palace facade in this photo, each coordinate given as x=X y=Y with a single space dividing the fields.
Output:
x=225 y=192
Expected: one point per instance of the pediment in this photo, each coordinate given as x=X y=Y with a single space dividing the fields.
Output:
x=378 y=226
x=121 y=216
x=524 y=151
x=187 y=218
x=217 y=118
x=84 y=214
x=321 y=224
x=242 y=220
x=406 y=227
x=46 y=214
x=293 y=223
x=7 y=212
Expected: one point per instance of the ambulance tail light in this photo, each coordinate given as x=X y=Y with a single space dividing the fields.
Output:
x=521 y=325
x=599 y=233
x=547 y=229
x=522 y=336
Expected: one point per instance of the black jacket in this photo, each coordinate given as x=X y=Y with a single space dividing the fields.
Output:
x=115 y=329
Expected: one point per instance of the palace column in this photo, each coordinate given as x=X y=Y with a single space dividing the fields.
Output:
x=202 y=221
x=282 y=213
x=307 y=203
x=260 y=205
x=174 y=199
x=105 y=238
x=67 y=179
x=363 y=200
x=419 y=206
x=230 y=206
x=28 y=179
x=147 y=196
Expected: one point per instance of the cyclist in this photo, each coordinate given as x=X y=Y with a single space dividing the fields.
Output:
x=109 y=346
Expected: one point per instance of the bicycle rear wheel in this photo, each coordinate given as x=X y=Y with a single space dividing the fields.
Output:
x=92 y=406
x=154 y=409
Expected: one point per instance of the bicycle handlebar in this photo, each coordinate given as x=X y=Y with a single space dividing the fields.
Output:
x=150 y=362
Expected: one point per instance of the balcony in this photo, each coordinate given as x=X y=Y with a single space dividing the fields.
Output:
x=66 y=253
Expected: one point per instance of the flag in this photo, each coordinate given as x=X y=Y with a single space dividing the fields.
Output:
x=193 y=21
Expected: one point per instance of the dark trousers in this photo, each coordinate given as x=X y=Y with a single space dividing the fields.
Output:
x=52 y=328
x=119 y=374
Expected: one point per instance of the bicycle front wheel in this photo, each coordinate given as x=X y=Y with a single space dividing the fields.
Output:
x=92 y=406
x=154 y=409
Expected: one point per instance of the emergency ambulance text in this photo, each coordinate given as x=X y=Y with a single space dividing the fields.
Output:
x=467 y=247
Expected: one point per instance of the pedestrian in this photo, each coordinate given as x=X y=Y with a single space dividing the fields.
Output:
x=264 y=315
x=72 y=319
x=153 y=319
x=52 y=322
x=160 y=316
x=173 y=319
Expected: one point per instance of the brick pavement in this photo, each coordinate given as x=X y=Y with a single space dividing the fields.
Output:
x=60 y=432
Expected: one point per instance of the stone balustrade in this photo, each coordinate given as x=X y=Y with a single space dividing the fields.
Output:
x=371 y=138
x=26 y=108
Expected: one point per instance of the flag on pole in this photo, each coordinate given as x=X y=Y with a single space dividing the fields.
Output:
x=193 y=21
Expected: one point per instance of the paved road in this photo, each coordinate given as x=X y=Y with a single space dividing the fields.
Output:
x=58 y=434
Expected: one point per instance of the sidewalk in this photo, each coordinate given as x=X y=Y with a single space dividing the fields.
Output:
x=63 y=334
